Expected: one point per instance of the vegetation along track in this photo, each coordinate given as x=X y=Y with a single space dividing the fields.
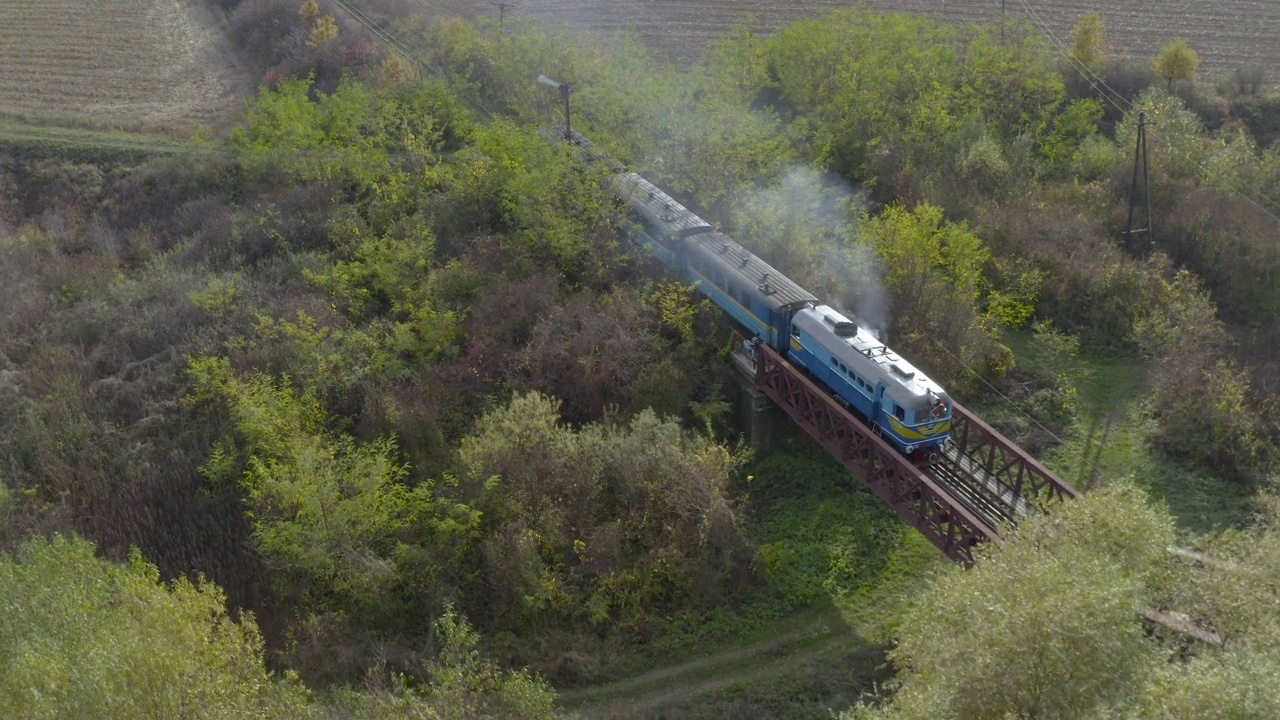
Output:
x=1226 y=33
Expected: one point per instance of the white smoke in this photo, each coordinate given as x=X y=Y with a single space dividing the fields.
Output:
x=806 y=224
x=864 y=292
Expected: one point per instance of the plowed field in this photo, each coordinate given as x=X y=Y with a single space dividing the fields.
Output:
x=1226 y=33
x=155 y=61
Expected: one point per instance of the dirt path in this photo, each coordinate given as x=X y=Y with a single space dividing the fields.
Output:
x=644 y=696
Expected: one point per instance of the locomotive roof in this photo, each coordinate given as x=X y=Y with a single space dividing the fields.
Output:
x=861 y=351
x=659 y=208
x=772 y=286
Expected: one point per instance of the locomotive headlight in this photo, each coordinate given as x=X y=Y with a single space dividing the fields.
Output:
x=911 y=449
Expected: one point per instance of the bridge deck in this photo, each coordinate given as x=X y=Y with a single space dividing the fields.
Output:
x=947 y=521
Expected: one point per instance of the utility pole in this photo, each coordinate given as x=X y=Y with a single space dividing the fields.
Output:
x=1139 y=153
x=564 y=93
x=502 y=11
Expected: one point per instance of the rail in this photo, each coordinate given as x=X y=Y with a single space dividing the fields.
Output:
x=939 y=516
x=983 y=453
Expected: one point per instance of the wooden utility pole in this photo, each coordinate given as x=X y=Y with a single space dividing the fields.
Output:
x=502 y=12
x=1139 y=154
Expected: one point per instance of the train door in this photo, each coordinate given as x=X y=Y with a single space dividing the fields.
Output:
x=877 y=399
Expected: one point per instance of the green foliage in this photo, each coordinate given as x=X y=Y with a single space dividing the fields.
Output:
x=821 y=538
x=1063 y=140
x=87 y=638
x=684 y=131
x=1204 y=408
x=678 y=313
x=602 y=524
x=323 y=31
x=1089 y=40
x=384 y=145
x=1047 y=625
x=380 y=279
x=1178 y=147
x=338 y=521
x=1054 y=356
x=463 y=685
x=519 y=183
x=934 y=272
x=1177 y=61
x=219 y=297
x=893 y=94
x=1044 y=626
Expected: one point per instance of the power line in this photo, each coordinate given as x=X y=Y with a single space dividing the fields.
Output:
x=1110 y=95
x=1084 y=457
x=394 y=43
x=502 y=12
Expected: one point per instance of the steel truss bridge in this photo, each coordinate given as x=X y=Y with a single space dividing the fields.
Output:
x=980 y=482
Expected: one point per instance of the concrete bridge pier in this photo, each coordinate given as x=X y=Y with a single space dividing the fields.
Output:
x=763 y=423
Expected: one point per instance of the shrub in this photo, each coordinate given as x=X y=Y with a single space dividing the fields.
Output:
x=89 y=638
x=600 y=525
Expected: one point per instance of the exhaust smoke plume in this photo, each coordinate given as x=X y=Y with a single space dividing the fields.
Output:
x=806 y=225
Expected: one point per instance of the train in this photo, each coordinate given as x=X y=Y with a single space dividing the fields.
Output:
x=901 y=403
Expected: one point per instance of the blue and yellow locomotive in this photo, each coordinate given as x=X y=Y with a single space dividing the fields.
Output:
x=901 y=403
x=908 y=408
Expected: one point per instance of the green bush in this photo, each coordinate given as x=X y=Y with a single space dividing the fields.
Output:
x=87 y=638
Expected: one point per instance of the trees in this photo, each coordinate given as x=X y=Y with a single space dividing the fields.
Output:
x=887 y=98
x=464 y=685
x=1205 y=411
x=1047 y=625
x=944 y=307
x=339 y=522
x=601 y=525
x=1177 y=61
x=87 y=638
x=1089 y=40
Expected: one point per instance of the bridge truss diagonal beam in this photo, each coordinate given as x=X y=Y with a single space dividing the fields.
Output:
x=890 y=476
x=983 y=450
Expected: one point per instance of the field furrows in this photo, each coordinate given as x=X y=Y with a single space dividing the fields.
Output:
x=1226 y=33
x=148 y=60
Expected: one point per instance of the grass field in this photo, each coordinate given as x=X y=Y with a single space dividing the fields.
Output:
x=158 y=62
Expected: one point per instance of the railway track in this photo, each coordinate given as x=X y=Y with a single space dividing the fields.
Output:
x=985 y=496
x=972 y=494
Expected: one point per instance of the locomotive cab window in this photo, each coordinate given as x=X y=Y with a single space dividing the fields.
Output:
x=899 y=412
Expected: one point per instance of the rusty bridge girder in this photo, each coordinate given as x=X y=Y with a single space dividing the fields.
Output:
x=890 y=476
x=1006 y=463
